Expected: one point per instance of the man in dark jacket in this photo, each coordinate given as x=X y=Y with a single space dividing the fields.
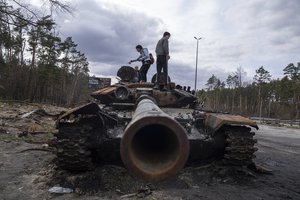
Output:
x=145 y=59
x=162 y=53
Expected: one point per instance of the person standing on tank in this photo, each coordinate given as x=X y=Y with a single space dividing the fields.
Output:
x=162 y=54
x=145 y=59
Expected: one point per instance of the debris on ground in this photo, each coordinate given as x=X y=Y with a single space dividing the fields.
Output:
x=60 y=190
x=21 y=121
x=260 y=168
x=28 y=172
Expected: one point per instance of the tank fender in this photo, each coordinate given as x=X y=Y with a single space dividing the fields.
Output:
x=215 y=121
x=86 y=109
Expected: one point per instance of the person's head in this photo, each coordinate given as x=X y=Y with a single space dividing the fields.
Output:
x=167 y=34
x=139 y=48
x=136 y=68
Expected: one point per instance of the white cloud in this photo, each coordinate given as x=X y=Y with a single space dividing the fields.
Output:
x=235 y=33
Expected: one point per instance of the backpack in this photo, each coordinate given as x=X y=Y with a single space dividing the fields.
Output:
x=152 y=60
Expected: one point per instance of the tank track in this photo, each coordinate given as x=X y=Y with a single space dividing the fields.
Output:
x=239 y=150
x=72 y=144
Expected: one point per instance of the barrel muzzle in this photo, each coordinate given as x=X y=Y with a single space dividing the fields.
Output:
x=154 y=146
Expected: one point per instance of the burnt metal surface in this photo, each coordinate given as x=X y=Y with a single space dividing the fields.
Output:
x=240 y=145
x=156 y=132
x=216 y=120
x=80 y=148
x=154 y=146
x=104 y=91
x=126 y=73
x=90 y=108
x=128 y=92
x=160 y=79
x=75 y=140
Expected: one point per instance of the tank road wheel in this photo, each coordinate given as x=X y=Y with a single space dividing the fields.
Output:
x=73 y=146
x=239 y=149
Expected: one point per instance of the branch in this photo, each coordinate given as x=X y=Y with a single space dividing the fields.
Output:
x=62 y=6
x=10 y=14
x=26 y=9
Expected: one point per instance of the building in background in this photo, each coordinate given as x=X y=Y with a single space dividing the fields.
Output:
x=98 y=82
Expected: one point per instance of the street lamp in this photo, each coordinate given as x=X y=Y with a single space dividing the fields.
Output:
x=196 y=63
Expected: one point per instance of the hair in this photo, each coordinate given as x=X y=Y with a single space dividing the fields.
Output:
x=139 y=46
x=166 y=34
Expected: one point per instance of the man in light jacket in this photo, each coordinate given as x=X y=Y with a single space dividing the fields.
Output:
x=145 y=59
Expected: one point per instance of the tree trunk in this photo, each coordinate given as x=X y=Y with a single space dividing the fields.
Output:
x=240 y=102
x=260 y=110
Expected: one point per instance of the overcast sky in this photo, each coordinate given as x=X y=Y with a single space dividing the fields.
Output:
x=246 y=34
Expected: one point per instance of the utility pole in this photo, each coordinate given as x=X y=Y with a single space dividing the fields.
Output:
x=196 y=62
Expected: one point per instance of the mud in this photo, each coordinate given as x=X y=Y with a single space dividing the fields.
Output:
x=27 y=169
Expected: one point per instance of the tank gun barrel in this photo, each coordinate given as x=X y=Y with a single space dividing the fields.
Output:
x=154 y=145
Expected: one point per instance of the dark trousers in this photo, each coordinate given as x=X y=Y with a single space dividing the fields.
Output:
x=144 y=69
x=162 y=66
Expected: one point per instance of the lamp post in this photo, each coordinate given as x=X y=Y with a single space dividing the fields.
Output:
x=196 y=62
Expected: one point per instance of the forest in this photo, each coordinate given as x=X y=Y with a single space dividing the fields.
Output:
x=264 y=97
x=37 y=65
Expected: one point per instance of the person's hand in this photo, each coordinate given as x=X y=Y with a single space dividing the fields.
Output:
x=168 y=57
x=129 y=62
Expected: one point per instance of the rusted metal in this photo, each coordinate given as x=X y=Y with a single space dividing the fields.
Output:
x=90 y=108
x=104 y=91
x=165 y=98
x=215 y=120
x=136 y=85
x=154 y=146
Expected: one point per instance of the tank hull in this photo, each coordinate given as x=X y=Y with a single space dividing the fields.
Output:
x=90 y=135
x=152 y=131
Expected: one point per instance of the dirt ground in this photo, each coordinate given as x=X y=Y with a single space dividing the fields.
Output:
x=27 y=170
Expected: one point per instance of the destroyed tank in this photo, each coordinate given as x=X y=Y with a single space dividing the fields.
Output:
x=152 y=132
